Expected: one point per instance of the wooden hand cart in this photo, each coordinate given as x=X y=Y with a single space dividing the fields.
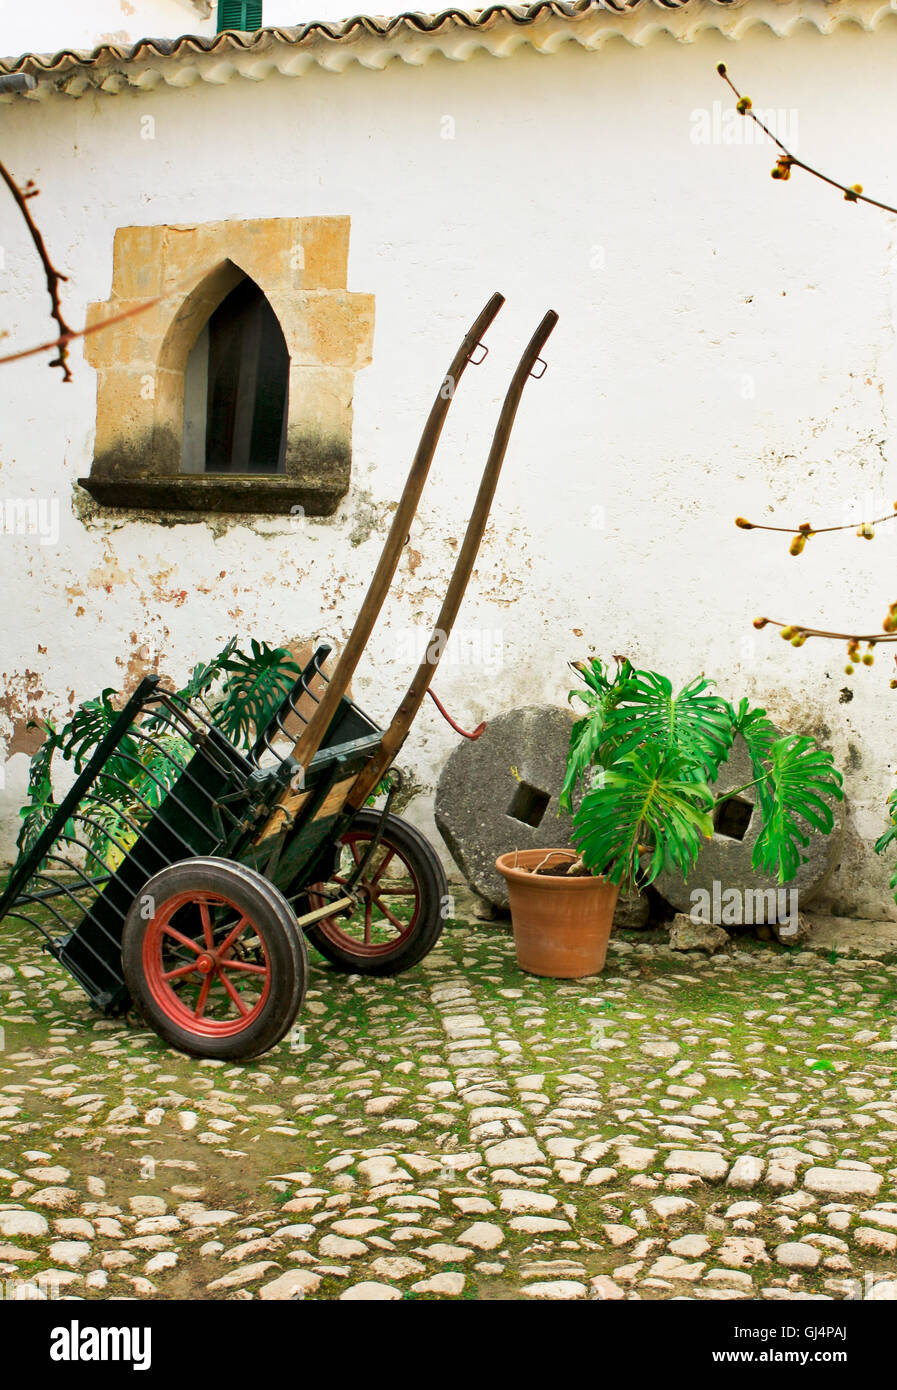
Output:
x=229 y=860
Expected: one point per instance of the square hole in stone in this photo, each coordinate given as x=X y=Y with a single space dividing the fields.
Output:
x=733 y=817
x=528 y=804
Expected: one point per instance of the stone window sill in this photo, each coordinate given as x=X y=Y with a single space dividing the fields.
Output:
x=205 y=492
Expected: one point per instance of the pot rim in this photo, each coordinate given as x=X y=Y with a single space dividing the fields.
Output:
x=581 y=883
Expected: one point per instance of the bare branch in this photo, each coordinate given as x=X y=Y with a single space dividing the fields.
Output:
x=22 y=196
x=788 y=161
x=790 y=631
x=73 y=333
x=796 y=633
x=802 y=533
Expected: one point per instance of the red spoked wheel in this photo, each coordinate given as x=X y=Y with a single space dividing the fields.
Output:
x=214 y=981
x=213 y=958
x=402 y=898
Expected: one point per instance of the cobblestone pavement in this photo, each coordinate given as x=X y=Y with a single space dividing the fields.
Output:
x=677 y=1127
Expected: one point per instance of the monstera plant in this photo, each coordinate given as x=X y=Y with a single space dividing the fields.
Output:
x=239 y=691
x=647 y=759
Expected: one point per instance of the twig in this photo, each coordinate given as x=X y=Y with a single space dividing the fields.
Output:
x=797 y=636
x=22 y=197
x=873 y=638
x=853 y=194
x=793 y=632
x=805 y=529
x=67 y=334
x=74 y=333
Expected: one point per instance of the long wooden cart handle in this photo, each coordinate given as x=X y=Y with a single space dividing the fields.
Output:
x=309 y=741
x=397 y=732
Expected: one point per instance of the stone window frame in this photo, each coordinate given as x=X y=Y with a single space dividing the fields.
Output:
x=301 y=266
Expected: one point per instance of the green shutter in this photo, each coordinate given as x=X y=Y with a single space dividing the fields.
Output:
x=239 y=14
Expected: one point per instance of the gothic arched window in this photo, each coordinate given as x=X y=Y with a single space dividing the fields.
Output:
x=232 y=389
x=235 y=389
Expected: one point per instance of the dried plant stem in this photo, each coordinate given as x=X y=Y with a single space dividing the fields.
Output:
x=550 y=855
x=873 y=637
x=850 y=193
x=796 y=632
x=67 y=334
x=814 y=530
x=22 y=197
x=74 y=333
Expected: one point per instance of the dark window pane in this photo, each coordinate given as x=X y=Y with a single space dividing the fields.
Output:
x=248 y=382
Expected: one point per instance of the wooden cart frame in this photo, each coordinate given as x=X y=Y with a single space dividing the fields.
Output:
x=223 y=862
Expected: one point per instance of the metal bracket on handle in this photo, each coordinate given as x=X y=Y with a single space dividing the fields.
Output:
x=537 y=376
x=480 y=360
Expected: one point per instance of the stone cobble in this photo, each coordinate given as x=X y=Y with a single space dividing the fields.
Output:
x=678 y=1127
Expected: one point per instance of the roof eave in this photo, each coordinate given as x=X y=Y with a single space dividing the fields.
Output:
x=374 y=42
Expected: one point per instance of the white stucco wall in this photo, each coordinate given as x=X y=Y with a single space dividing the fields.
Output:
x=50 y=25
x=725 y=345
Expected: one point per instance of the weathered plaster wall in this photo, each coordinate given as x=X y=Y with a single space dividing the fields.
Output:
x=725 y=345
x=55 y=24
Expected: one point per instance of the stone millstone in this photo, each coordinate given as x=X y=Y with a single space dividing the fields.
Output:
x=726 y=859
x=517 y=763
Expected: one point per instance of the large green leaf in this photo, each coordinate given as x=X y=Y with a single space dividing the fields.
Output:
x=695 y=725
x=109 y=828
x=646 y=814
x=794 y=801
x=760 y=737
x=254 y=686
x=200 y=681
x=587 y=733
x=795 y=781
x=161 y=764
x=91 y=721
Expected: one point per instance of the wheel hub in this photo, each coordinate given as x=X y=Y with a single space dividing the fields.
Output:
x=373 y=930
x=206 y=964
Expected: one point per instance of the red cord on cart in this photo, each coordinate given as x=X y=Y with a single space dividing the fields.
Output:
x=478 y=731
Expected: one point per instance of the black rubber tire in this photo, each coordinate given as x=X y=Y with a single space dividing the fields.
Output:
x=429 y=875
x=275 y=924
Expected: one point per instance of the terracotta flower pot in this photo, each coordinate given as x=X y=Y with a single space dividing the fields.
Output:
x=561 y=925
